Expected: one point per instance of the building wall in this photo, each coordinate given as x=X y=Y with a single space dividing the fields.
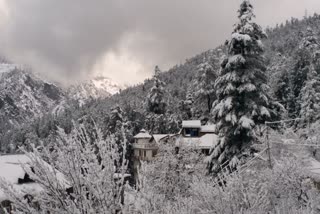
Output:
x=142 y=141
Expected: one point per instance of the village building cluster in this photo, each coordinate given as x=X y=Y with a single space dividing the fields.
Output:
x=192 y=134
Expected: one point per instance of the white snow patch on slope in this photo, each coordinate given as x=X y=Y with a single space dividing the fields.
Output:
x=4 y=68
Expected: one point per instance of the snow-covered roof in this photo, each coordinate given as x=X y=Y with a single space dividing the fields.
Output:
x=143 y=135
x=10 y=166
x=208 y=128
x=159 y=137
x=12 y=170
x=191 y=124
x=207 y=141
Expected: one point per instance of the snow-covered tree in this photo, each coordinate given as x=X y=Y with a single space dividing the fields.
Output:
x=310 y=40
x=155 y=101
x=75 y=176
x=243 y=102
x=204 y=84
x=310 y=98
x=187 y=106
x=116 y=119
x=162 y=123
x=167 y=179
x=304 y=64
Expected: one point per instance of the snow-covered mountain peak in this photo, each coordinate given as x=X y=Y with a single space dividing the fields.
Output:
x=106 y=84
x=98 y=87
x=6 y=67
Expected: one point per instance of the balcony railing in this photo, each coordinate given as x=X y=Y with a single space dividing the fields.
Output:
x=145 y=146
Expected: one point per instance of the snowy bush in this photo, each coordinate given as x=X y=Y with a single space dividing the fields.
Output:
x=92 y=183
x=284 y=189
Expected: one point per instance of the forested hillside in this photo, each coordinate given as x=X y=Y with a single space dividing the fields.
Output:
x=183 y=92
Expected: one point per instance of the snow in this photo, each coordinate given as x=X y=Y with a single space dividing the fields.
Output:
x=264 y=111
x=236 y=59
x=191 y=124
x=246 y=122
x=143 y=135
x=241 y=37
x=249 y=87
x=208 y=128
x=98 y=87
x=4 y=67
x=228 y=103
x=120 y=175
x=10 y=166
x=314 y=169
x=12 y=169
x=106 y=84
x=207 y=141
x=247 y=28
x=159 y=137
x=230 y=88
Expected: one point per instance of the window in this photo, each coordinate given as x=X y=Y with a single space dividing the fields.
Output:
x=191 y=132
x=142 y=153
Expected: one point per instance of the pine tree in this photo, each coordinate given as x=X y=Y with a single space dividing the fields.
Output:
x=186 y=106
x=310 y=97
x=303 y=57
x=242 y=102
x=283 y=89
x=204 y=85
x=116 y=119
x=155 y=100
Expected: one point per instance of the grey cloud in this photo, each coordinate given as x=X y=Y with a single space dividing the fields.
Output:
x=65 y=39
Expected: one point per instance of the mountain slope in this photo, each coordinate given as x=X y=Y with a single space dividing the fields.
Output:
x=98 y=87
x=23 y=96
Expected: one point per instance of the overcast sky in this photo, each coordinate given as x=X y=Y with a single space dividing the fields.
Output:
x=68 y=40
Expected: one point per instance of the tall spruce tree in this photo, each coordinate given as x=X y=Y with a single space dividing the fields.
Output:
x=204 y=84
x=243 y=102
x=303 y=57
x=186 y=106
x=155 y=101
x=310 y=98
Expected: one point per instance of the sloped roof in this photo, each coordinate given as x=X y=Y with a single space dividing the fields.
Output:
x=159 y=137
x=207 y=141
x=143 y=135
x=191 y=124
x=12 y=170
x=208 y=128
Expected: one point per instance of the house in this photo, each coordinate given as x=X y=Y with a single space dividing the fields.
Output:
x=192 y=134
x=146 y=146
x=201 y=137
x=12 y=171
x=194 y=129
